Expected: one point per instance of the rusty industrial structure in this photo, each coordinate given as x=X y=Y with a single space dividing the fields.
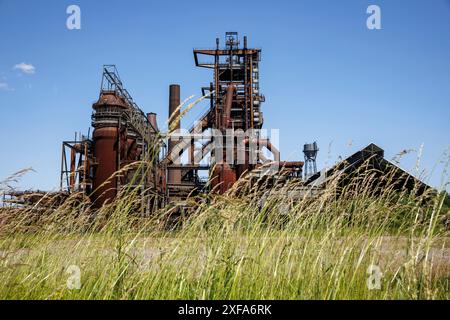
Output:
x=127 y=150
x=113 y=158
x=123 y=135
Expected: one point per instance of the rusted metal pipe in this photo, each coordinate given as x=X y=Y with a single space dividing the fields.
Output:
x=265 y=143
x=174 y=175
x=72 y=168
x=226 y=120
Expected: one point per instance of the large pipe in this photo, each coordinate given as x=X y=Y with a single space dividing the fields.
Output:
x=271 y=148
x=72 y=168
x=228 y=103
x=265 y=143
x=174 y=175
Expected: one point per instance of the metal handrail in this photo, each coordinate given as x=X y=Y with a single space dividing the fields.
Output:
x=136 y=116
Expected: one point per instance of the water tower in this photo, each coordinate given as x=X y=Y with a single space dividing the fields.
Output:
x=310 y=150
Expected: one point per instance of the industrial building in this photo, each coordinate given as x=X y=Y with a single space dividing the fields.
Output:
x=126 y=148
x=123 y=135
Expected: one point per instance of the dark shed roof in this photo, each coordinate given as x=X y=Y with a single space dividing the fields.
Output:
x=369 y=158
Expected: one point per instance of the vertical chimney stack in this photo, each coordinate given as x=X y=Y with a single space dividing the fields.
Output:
x=174 y=174
x=174 y=102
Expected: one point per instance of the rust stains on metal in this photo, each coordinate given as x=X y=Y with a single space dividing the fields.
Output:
x=174 y=172
x=105 y=153
x=124 y=135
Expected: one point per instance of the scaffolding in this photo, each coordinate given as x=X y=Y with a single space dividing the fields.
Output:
x=233 y=66
x=77 y=165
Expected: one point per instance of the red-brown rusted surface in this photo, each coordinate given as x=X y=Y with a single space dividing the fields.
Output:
x=105 y=153
x=174 y=175
x=223 y=178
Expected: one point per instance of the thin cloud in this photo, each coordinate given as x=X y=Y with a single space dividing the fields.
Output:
x=5 y=87
x=25 y=68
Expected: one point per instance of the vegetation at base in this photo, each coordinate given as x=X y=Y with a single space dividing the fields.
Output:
x=258 y=244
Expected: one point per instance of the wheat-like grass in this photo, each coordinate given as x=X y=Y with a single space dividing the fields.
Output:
x=257 y=244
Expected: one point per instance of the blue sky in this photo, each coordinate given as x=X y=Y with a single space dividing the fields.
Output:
x=326 y=77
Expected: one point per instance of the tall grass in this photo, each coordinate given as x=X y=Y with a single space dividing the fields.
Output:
x=258 y=244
